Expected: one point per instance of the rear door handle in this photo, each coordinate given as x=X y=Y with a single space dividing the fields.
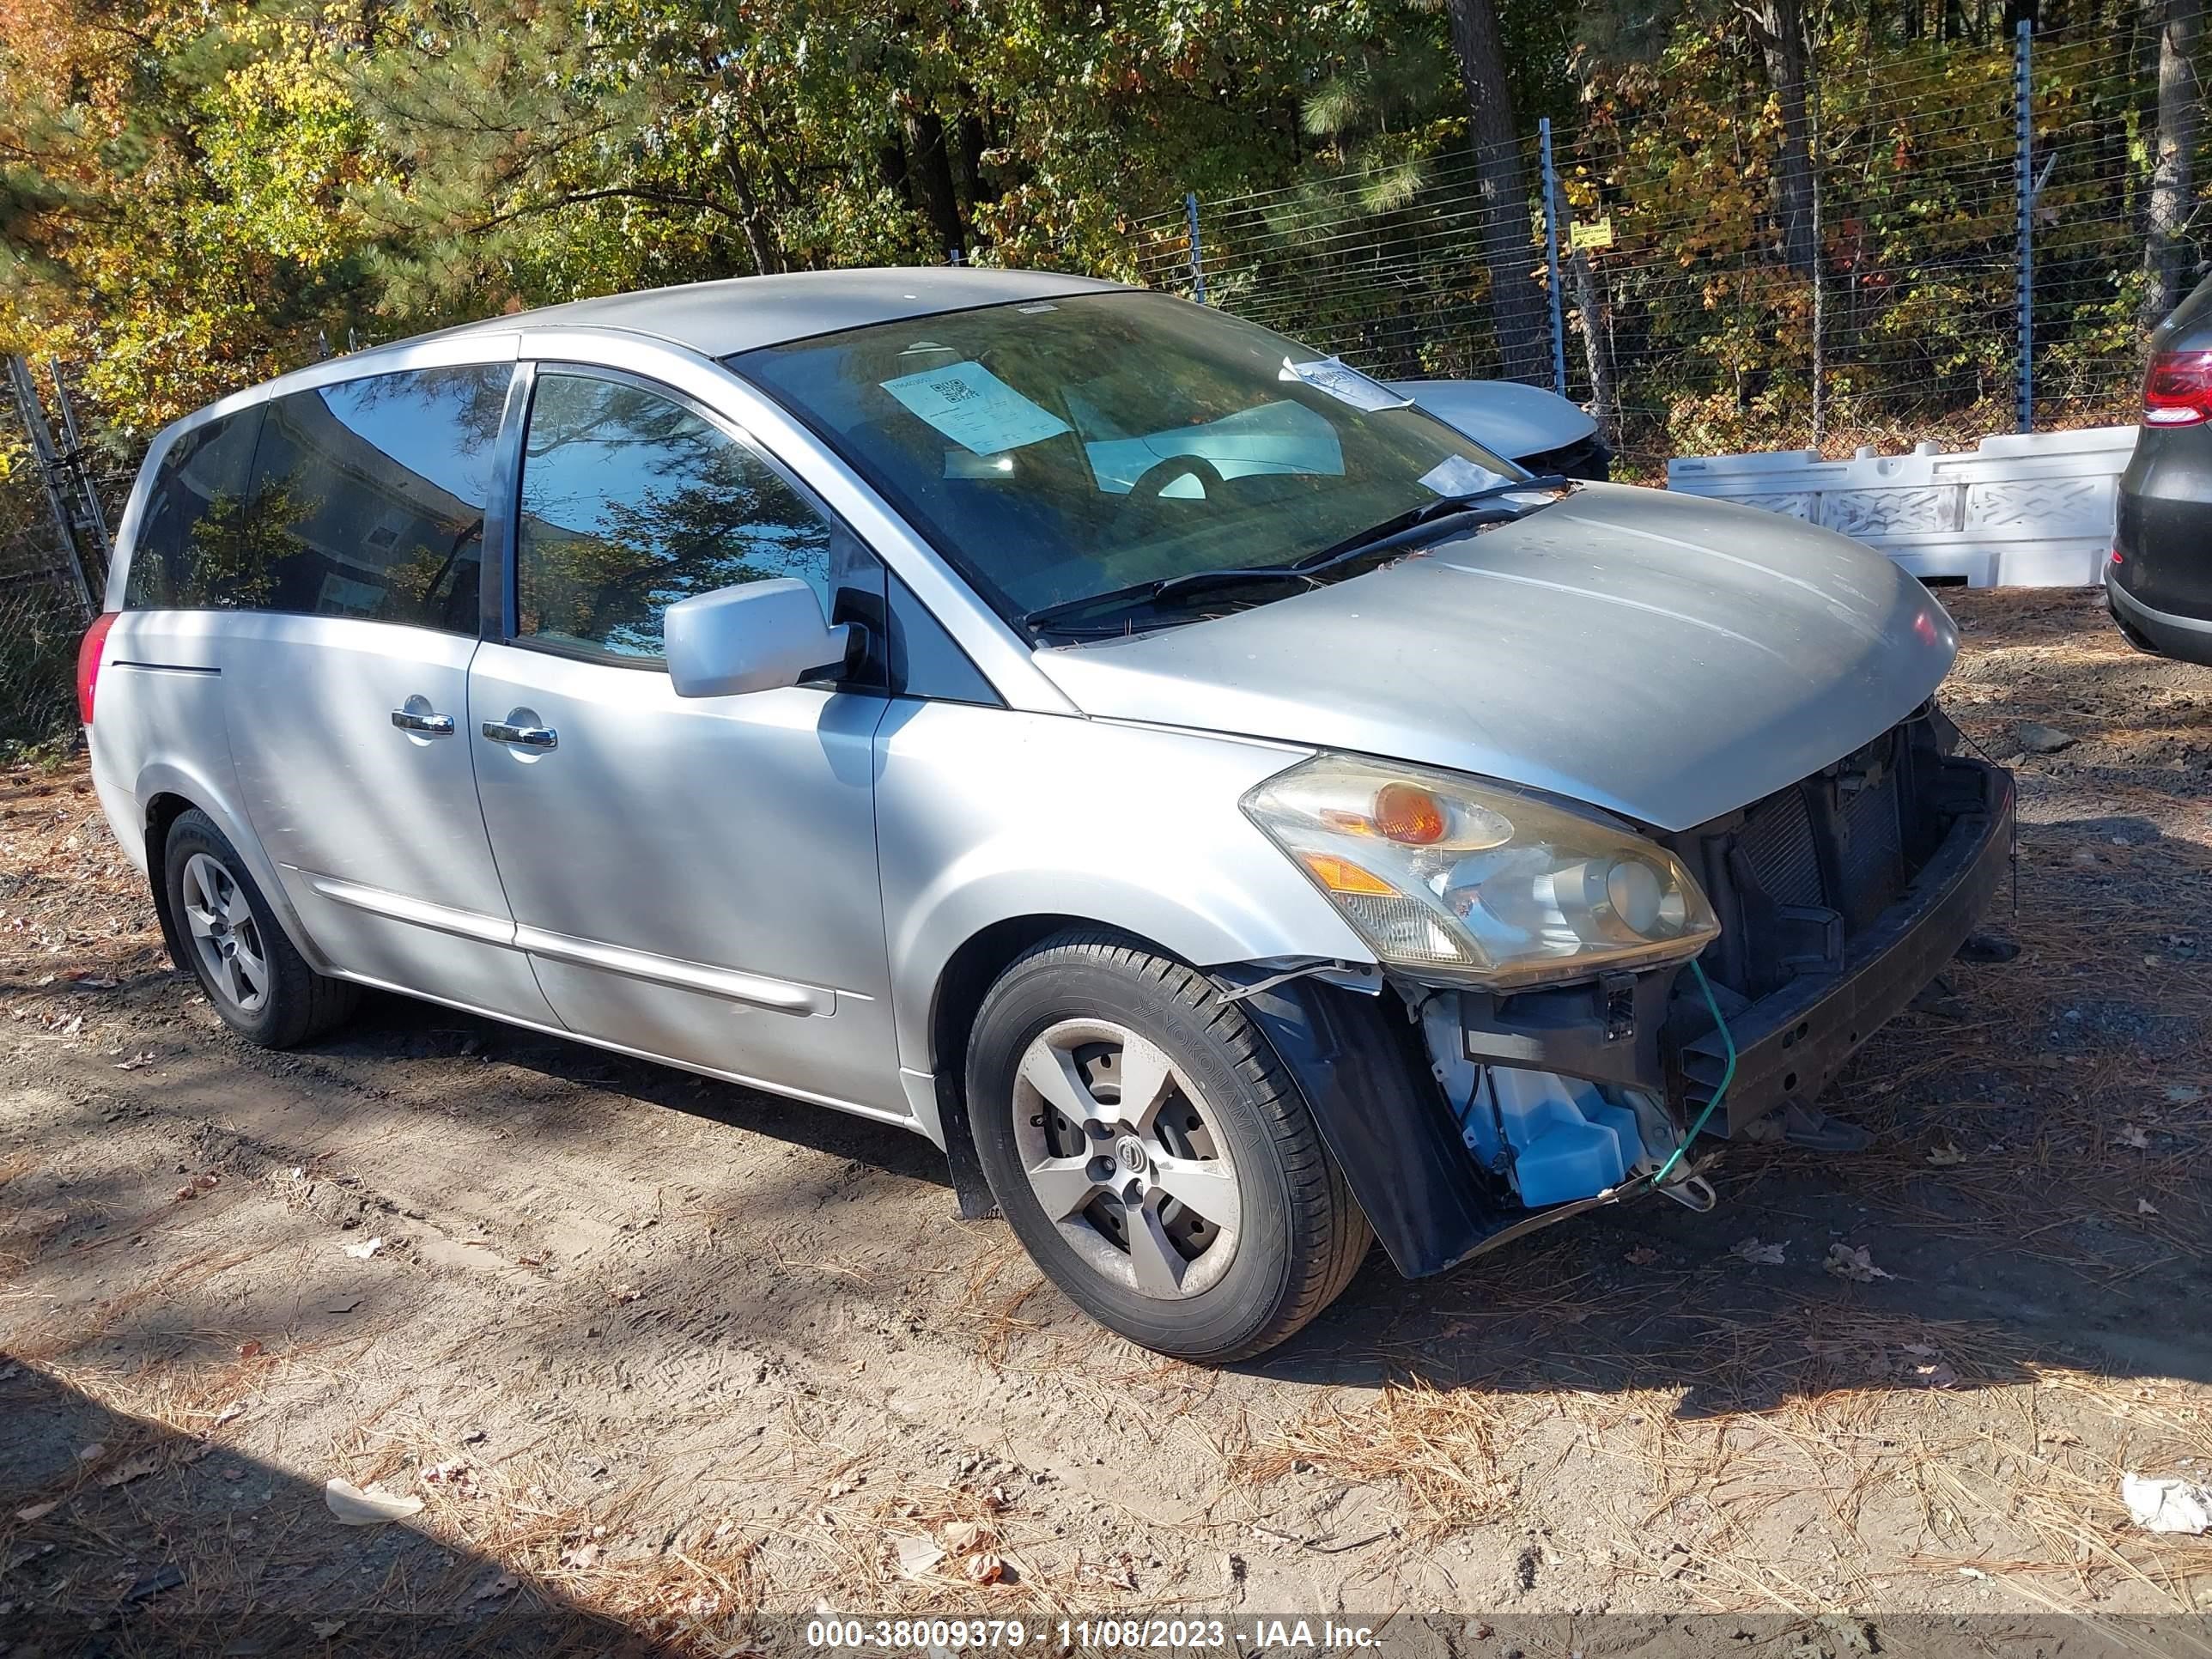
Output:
x=429 y=725
x=529 y=736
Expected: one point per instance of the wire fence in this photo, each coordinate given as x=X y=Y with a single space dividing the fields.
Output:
x=1954 y=240
x=39 y=622
x=57 y=498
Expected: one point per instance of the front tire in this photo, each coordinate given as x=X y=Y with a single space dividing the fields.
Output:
x=223 y=930
x=1153 y=1155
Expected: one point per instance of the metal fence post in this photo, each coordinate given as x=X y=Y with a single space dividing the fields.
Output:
x=49 y=464
x=1820 y=283
x=2023 y=116
x=1197 y=265
x=95 y=511
x=1551 y=257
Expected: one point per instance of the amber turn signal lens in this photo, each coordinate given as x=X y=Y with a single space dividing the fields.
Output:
x=1405 y=812
x=1343 y=876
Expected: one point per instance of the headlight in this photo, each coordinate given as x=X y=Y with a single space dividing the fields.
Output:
x=1439 y=873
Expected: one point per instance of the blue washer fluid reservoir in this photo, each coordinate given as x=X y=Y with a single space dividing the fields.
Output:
x=1568 y=1141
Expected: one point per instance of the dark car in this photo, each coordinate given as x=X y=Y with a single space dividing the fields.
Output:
x=2160 y=577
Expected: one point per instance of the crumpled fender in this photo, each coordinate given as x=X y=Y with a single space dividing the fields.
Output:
x=1358 y=1062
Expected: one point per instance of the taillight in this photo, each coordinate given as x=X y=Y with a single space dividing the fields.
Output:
x=87 y=661
x=2177 y=390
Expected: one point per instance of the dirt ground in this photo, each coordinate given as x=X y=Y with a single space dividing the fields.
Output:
x=662 y=1359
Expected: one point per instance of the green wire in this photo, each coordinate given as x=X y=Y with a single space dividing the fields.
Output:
x=1727 y=1077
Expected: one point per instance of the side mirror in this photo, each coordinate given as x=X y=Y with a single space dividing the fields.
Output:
x=754 y=637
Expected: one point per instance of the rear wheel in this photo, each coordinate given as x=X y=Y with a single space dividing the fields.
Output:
x=1153 y=1154
x=258 y=982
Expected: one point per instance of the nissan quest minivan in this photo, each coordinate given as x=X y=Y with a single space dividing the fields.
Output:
x=1231 y=813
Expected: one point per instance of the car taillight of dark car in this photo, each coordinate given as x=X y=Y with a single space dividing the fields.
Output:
x=2178 y=389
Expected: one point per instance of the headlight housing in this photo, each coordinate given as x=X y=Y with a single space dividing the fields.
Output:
x=1445 y=875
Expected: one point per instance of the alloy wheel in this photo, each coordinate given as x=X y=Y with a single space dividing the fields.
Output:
x=224 y=933
x=1127 y=1158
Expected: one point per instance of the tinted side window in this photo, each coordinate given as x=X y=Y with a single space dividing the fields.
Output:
x=631 y=502
x=369 y=499
x=193 y=511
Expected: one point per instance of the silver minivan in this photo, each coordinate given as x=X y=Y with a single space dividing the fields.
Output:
x=1230 y=812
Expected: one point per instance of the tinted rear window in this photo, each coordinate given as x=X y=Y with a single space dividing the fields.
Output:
x=365 y=499
x=2193 y=317
x=196 y=502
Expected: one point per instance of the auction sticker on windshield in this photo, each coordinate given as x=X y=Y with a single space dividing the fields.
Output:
x=1456 y=475
x=1343 y=383
x=975 y=408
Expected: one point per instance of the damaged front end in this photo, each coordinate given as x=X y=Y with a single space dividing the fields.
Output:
x=1463 y=1117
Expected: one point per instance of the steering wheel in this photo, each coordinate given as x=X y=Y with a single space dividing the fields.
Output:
x=1152 y=483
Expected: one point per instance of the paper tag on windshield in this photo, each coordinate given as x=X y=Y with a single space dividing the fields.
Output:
x=1456 y=475
x=975 y=408
x=1345 y=384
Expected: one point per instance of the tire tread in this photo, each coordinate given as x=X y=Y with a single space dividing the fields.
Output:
x=304 y=1004
x=1321 y=1198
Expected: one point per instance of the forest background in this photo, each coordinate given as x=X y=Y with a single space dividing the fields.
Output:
x=1778 y=220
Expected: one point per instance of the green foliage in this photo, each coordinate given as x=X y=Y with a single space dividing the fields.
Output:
x=197 y=195
x=194 y=194
x=171 y=185
x=1707 y=329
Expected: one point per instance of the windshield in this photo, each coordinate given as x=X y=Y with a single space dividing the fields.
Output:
x=1053 y=450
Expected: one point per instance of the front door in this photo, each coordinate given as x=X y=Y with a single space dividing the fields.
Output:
x=692 y=878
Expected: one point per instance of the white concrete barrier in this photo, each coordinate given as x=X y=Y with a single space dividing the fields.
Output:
x=2030 y=510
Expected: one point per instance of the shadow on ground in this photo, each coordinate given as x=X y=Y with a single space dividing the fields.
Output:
x=119 y=1536
x=760 y=1301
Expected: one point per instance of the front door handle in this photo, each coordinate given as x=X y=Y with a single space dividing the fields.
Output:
x=423 y=720
x=529 y=736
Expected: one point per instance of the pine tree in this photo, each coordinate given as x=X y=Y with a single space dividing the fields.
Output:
x=1516 y=303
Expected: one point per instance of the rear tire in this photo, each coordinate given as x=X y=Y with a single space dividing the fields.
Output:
x=1199 y=1214
x=223 y=930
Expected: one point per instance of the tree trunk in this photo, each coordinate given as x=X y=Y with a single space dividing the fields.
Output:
x=759 y=233
x=1777 y=26
x=2166 y=242
x=1516 y=303
x=974 y=139
x=933 y=173
x=1596 y=325
x=890 y=166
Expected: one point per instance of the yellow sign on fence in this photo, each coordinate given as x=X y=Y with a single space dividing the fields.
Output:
x=1596 y=233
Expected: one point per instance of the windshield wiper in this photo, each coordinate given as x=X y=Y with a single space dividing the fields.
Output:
x=1138 y=594
x=1423 y=523
x=1390 y=532
x=1415 y=525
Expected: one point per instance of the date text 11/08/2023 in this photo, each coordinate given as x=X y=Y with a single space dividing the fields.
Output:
x=1286 y=1635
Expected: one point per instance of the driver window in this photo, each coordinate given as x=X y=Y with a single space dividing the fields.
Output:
x=630 y=501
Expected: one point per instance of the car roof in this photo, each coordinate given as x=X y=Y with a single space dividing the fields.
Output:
x=716 y=319
x=719 y=318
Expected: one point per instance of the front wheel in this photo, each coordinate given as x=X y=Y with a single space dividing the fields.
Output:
x=1151 y=1153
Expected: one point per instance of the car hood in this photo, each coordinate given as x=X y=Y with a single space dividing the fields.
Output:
x=1504 y=416
x=1661 y=656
